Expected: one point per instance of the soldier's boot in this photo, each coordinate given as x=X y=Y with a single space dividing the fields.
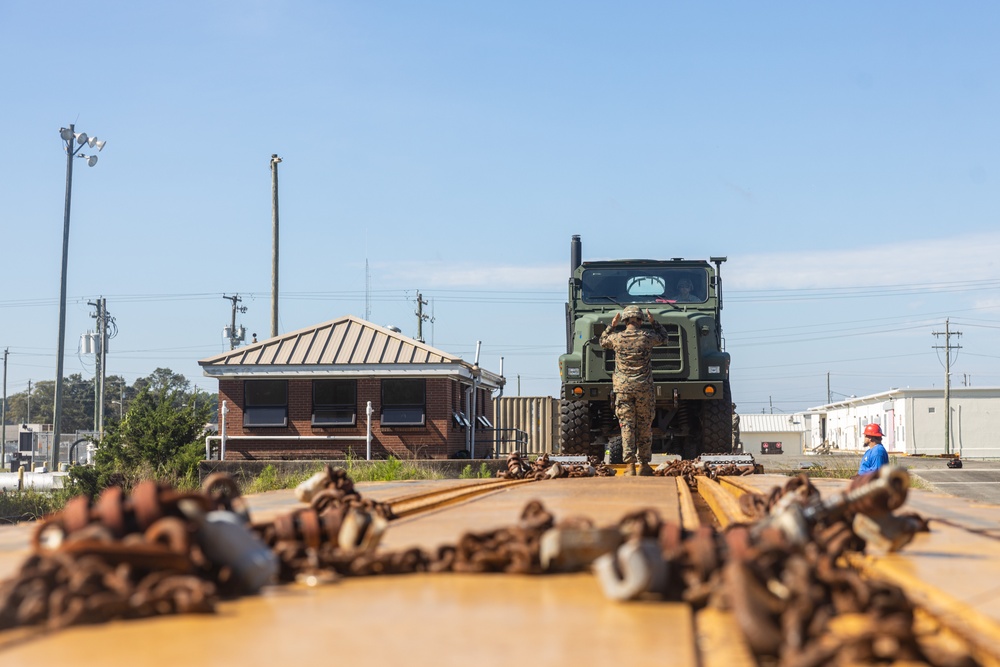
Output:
x=645 y=470
x=629 y=470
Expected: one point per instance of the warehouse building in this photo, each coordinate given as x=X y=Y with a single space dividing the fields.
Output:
x=771 y=434
x=913 y=421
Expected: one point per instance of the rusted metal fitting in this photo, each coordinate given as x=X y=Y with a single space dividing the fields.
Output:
x=564 y=549
x=881 y=491
x=887 y=532
x=636 y=569
x=305 y=491
x=361 y=531
x=228 y=541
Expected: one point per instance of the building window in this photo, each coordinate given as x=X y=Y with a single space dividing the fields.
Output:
x=335 y=402
x=265 y=403
x=404 y=402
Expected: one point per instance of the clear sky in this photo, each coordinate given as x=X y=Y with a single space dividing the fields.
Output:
x=843 y=155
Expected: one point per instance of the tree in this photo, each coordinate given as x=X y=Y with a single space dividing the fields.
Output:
x=156 y=440
x=164 y=378
x=79 y=400
x=78 y=404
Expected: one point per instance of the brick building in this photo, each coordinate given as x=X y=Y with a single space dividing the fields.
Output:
x=304 y=395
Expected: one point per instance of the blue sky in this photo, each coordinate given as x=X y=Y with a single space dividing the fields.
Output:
x=842 y=155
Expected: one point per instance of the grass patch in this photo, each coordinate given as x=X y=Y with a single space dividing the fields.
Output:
x=388 y=470
x=846 y=467
x=31 y=504
x=272 y=479
x=483 y=472
x=841 y=467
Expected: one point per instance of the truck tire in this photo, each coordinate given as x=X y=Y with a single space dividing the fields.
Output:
x=717 y=424
x=616 y=451
x=574 y=427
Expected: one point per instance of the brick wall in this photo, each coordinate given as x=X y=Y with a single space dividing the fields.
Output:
x=440 y=437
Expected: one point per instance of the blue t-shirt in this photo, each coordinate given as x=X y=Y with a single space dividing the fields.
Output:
x=874 y=458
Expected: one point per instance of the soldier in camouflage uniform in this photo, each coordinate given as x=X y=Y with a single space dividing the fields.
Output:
x=633 y=383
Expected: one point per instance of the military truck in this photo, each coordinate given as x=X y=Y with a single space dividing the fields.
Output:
x=694 y=408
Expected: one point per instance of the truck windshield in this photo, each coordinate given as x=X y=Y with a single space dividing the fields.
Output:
x=645 y=285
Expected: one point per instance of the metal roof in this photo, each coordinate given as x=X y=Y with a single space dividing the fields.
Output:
x=933 y=392
x=347 y=344
x=754 y=423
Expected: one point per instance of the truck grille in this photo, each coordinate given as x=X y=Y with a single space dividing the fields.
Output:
x=667 y=358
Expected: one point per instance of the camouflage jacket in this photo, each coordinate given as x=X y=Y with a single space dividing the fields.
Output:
x=633 y=356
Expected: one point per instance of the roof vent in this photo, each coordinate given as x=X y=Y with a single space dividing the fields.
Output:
x=391 y=327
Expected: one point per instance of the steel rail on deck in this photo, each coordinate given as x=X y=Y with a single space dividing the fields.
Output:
x=423 y=502
x=724 y=504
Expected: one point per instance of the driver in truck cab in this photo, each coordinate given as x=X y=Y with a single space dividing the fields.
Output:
x=632 y=383
x=684 y=292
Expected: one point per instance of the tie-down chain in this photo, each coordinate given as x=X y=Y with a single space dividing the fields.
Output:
x=158 y=552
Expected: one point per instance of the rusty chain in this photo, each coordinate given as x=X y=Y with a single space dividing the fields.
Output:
x=690 y=470
x=518 y=467
x=795 y=600
x=119 y=557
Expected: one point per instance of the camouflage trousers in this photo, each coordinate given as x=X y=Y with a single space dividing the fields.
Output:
x=635 y=414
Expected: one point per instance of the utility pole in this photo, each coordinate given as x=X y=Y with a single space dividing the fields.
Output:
x=27 y=418
x=829 y=396
x=771 y=403
x=101 y=355
x=947 y=347
x=274 y=247
x=3 y=409
x=421 y=318
x=235 y=336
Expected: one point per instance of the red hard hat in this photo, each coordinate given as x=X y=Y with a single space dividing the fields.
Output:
x=874 y=431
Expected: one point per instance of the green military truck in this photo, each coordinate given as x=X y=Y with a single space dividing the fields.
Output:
x=694 y=408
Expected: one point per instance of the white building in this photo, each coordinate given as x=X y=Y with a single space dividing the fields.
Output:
x=789 y=430
x=913 y=421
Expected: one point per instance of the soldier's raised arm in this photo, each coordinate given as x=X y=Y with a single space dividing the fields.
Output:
x=658 y=329
x=606 y=334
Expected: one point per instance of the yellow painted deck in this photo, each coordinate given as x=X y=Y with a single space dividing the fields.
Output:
x=486 y=620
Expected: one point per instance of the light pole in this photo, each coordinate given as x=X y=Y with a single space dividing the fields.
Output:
x=68 y=136
x=275 y=160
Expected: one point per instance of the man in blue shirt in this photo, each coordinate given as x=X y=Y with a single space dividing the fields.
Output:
x=876 y=456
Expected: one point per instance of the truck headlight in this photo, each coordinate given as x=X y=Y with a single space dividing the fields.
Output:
x=715 y=370
x=573 y=371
